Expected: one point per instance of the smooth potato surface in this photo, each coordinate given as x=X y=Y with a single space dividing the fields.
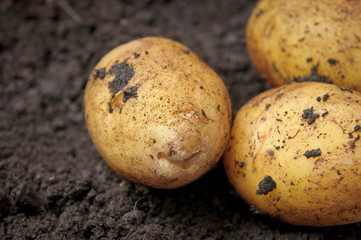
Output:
x=157 y=114
x=307 y=41
x=295 y=153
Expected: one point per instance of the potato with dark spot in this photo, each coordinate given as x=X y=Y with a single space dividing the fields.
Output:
x=307 y=41
x=156 y=113
x=299 y=159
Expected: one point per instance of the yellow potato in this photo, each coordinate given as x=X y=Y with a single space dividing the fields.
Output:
x=295 y=153
x=307 y=41
x=156 y=113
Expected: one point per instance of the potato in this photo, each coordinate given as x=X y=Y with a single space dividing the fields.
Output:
x=307 y=41
x=295 y=153
x=157 y=114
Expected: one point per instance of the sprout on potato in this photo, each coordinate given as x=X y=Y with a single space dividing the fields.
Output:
x=156 y=113
x=295 y=153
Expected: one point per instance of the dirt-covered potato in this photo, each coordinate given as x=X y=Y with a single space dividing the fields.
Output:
x=157 y=113
x=295 y=153
x=307 y=41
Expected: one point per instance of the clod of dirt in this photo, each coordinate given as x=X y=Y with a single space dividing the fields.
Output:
x=123 y=73
x=266 y=185
x=310 y=116
x=312 y=153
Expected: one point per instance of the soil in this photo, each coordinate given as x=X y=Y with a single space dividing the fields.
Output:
x=53 y=182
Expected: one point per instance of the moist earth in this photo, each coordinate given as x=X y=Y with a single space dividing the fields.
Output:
x=53 y=182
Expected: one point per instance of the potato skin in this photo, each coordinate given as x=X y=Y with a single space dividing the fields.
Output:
x=295 y=153
x=157 y=114
x=306 y=41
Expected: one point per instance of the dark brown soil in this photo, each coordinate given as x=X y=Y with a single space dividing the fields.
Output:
x=54 y=184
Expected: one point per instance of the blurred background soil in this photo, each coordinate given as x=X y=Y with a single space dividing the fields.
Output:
x=54 y=184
